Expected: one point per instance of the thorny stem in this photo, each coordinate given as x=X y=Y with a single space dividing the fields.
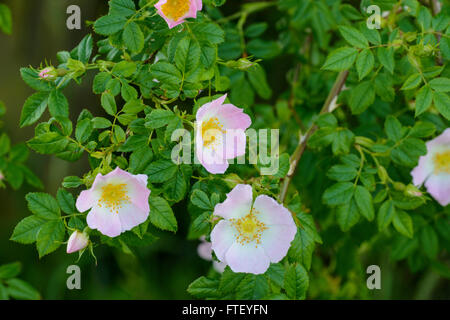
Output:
x=296 y=156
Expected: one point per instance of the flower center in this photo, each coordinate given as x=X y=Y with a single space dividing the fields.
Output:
x=210 y=130
x=249 y=228
x=442 y=162
x=113 y=196
x=175 y=9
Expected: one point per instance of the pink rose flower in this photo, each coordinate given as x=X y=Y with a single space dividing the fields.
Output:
x=204 y=250
x=176 y=11
x=77 y=241
x=434 y=168
x=220 y=134
x=118 y=202
x=251 y=234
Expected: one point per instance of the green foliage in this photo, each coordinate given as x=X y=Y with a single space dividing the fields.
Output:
x=13 y=288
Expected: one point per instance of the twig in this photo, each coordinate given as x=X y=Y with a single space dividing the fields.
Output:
x=291 y=102
x=296 y=156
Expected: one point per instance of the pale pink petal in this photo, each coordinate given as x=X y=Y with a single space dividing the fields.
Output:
x=235 y=143
x=222 y=238
x=105 y=221
x=271 y=212
x=276 y=240
x=237 y=204
x=442 y=139
x=423 y=170
x=131 y=216
x=247 y=258
x=438 y=186
x=77 y=241
x=233 y=117
x=219 y=266
x=210 y=109
x=204 y=250
x=86 y=200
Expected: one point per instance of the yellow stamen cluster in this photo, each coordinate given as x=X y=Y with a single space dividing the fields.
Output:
x=210 y=129
x=113 y=196
x=249 y=228
x=442 y=162
x=175 y=9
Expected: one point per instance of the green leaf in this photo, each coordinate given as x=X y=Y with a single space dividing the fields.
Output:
x=140 y=160
x=230 y=280
x=385 y=215
x=66 y=201
x=161 y=171
x=203 y=288
x=20 y=290
x=423 y=100
x=347 y=215
x=442 y=103
x=422 y=129
x=58 y=104
x=161 y=214
x=158 y=118
x=252 y=287
x=48 y=143
x=43 y=205
x=5 y=19
x=403 y=223
x=408 y=152
x=33 y=108
x=50 y=237
x=10 y=270
x=441 y=84
x=83 y=130
x=187 y=56
x=354 y=37
x=412 y=82
x=362 y=96
x=124 y=8
x=429 y=242
x=342 y=172
x=296 y=282
x=364 y=63
x=364 y=202
x=85 y=49
x=27 y=230
x=109 y=25
x=175 y=188
x=166 y=73
x=133 y=37
x=386 y=58
x=100 y=81
x=209 y=32
x=109 y=103
x=338 y=194
x=341 y=59
x=393 y=128
x=201 y=200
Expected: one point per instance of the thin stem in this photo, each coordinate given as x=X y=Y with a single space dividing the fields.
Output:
x=296 y=156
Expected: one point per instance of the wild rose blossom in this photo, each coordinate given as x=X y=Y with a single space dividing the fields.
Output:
x=434 y=168
x=176 y=11
x=118 y=202
x=204 y=250
x=220 y=134
x=77 y=241
x=251 y=234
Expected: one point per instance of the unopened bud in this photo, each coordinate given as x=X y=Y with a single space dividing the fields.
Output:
x=399 y=186
x=77 y=241
x=241 y=64
x=48 y=74
x=412 y=191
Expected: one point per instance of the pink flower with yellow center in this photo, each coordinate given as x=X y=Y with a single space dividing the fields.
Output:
x=77 y=241
x=251 y=234
x=434 y=168
x=176 y=11
x=204 y=250
x=220 y=134
x=118 y=202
